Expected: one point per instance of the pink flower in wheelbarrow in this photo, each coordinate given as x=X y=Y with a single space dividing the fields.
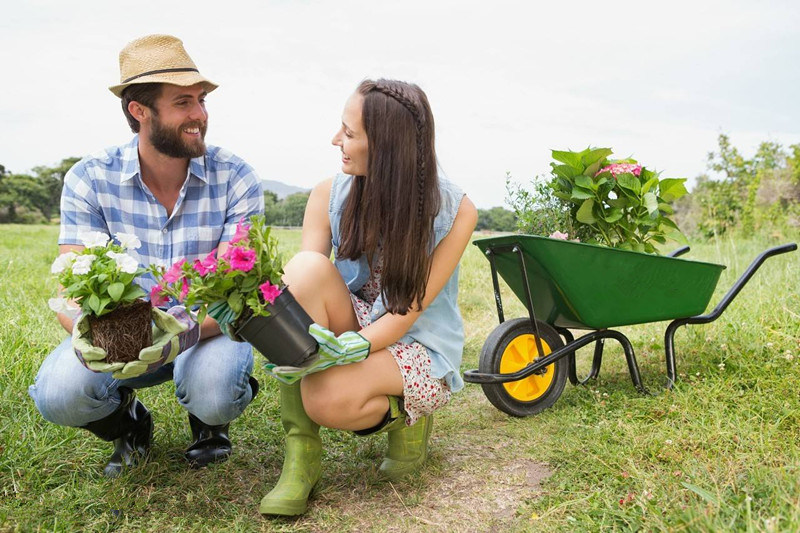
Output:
x=269 y=292
x=207 y=264
x=242 y=259
x=621 y=168
x=559 y=235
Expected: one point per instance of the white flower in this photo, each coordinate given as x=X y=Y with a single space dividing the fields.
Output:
x=93 y=239
x=83 y=263
x=60 y=305
x=125 y=262
x=62 y=262
x=128 y=241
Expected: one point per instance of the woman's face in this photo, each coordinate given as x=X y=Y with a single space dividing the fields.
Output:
x=352 y=138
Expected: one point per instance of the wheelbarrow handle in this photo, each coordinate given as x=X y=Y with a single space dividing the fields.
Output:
x=743 y=279
x=669 y=335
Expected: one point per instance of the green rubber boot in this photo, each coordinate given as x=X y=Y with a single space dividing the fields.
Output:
x=408 y=445
x=408 y=448
x=302 y=463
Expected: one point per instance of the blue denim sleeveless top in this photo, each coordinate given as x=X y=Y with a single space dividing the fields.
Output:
x=439 y=328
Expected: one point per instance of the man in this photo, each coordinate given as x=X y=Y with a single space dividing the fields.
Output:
x=181 y=198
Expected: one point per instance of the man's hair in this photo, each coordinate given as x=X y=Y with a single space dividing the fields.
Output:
x=144 y=93
x=393 y=207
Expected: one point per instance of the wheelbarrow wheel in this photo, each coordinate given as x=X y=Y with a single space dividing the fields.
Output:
x=512 y=347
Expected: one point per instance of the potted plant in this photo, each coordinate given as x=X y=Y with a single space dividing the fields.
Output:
x=242 y=290
x=617 y=203
x=100 y=279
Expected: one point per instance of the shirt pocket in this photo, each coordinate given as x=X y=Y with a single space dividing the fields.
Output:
x=200 y=241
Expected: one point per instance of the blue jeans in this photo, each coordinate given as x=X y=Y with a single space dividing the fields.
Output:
x=211 y=382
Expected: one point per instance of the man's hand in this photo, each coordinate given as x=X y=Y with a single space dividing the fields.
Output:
x=175 y=332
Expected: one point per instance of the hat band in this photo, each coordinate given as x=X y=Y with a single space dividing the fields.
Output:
x=162 y=71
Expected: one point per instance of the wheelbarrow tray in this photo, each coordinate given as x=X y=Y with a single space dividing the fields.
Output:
x=586 y=286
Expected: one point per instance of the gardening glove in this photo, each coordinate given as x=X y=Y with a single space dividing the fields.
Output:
x=174 y=331
x=349 y=347
x=226 y=318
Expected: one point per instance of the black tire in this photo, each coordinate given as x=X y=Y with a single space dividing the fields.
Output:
x=492 y=354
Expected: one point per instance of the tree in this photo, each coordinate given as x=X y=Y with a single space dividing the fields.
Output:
x=496 y=219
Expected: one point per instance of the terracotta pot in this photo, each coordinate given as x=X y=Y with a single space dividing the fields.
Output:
x=123 y=332
x=283 y=336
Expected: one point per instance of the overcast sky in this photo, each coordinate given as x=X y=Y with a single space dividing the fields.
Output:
x=507 y=81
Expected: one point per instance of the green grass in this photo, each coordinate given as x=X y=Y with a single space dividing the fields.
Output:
x=719 y=452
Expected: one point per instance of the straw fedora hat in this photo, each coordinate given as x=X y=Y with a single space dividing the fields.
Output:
x=157 y=59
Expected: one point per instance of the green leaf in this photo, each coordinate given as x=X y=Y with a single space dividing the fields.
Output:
x=572 y=159
x=628 y=181
x=672 y=188
x=620 y=202
x=131 y=293
x=648 y=184
x=235 y=302
x=579 y=193
x=666 y=208
x=585 y=214
x=565 y=171
x=703 y=493
x=586 y=182
x=613 y=215
x=651 y=203
x=115 y=290
x=592 y=169
x=596 y=155
x=561 y=195
x=94 y=303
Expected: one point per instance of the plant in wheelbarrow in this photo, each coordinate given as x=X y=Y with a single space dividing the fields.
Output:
x=242 y=290
x=616 y=202
x=113 y=326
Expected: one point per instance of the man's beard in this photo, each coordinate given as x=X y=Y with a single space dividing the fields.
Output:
x=170 y=142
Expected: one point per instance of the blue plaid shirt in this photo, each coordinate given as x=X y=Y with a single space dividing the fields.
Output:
x=105 y=192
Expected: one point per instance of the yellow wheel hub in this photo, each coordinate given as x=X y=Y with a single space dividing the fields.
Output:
x=519 y=353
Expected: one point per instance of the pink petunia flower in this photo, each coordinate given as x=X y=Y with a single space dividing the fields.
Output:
x=206 y=265
x=269 y=292
x=184 y=289
x=620 y=168
x=175 y=272
x=242 y=232
x=156 y=297
x=242 y=259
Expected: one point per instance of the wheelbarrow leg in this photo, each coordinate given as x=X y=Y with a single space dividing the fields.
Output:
x=630 y=357
x=597 y=361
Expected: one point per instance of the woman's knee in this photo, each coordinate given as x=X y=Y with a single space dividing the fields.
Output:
x=326 y=404
x=307 y=265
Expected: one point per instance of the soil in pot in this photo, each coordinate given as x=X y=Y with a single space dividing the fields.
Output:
x=124 y=332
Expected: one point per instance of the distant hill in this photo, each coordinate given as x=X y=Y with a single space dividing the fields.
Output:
x=281 y=189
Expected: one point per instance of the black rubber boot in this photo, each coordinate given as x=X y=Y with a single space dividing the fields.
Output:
x=131 y=429
x=211 y=443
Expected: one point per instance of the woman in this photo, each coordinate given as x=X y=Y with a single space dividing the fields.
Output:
x=397 y=231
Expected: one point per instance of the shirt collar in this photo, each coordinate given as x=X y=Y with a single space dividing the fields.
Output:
x=130 y=163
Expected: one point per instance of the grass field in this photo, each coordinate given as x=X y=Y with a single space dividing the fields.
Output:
x=719 y=452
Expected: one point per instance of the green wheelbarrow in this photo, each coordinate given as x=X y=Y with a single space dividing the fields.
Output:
x=525 y=362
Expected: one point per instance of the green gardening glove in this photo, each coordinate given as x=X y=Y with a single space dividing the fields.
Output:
x=174 y=331
x=349 y=347
x=226 y=318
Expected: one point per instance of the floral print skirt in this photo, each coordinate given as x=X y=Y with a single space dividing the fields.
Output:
x=422 y=393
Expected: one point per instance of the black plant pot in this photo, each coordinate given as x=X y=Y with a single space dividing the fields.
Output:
x=282 y=337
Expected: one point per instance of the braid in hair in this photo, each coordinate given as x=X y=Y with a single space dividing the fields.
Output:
x=422 y=126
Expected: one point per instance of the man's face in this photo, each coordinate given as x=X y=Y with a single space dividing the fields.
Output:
x=179 y=121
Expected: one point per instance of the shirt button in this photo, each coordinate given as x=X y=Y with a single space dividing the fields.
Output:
x=164 y=230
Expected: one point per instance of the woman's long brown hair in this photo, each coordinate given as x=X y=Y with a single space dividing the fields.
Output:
x=395 y=204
